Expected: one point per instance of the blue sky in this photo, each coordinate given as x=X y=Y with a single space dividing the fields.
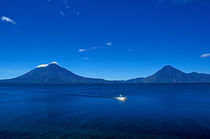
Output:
x=108 y=39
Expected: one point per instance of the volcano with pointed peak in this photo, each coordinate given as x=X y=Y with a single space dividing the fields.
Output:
x=169 y=74
x=51 y=73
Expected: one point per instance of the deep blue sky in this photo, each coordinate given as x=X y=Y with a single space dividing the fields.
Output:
x=111 y=39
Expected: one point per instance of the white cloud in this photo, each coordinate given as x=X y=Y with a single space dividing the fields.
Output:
x=45 y=65
x=89 y=49
x=108 y=43
x=205 y=55
x=82 y=50
x=56 y=63
x=42 y=65
x=94 y=48
x=7 y=19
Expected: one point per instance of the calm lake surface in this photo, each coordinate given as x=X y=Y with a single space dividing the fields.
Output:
x=89 y=111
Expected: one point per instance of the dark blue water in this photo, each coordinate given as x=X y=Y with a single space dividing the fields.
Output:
x=89 y=111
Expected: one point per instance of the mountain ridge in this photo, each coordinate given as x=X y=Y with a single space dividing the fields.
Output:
x=52 y=73
x=169 y=74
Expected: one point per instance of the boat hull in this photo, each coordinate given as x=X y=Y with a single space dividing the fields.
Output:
x=121 y=98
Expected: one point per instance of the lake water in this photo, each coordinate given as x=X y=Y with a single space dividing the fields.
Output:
x=89 y=111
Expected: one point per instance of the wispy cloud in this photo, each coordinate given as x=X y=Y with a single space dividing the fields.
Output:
x=42 y=65
x=7 y=19
x=205 y=55
x=90 y=49
x=86 y=51
x=67 y=8
x=82 y=50
x=108 y=43
x=45 y=65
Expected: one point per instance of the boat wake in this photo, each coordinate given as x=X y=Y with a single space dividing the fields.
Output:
x=120 y=98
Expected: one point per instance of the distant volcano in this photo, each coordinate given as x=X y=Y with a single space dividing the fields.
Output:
x=51 y=74
x=169 y=74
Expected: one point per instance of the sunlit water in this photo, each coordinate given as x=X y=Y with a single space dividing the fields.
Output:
x=89 y=111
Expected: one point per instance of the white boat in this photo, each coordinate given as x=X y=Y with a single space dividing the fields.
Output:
x=121 y=98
